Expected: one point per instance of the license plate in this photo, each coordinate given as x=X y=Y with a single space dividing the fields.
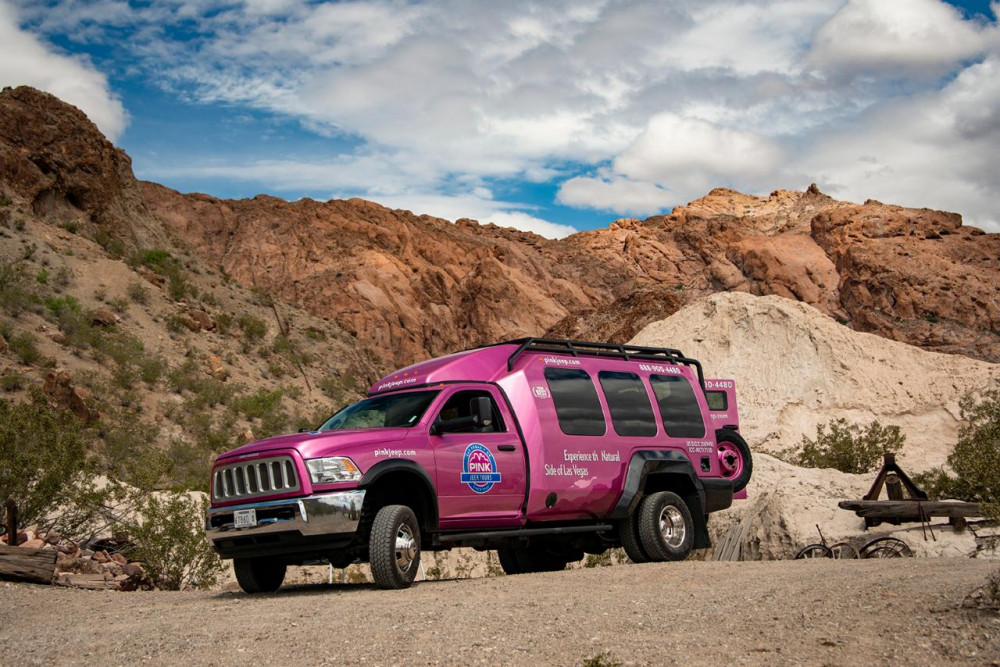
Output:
x=245 y=518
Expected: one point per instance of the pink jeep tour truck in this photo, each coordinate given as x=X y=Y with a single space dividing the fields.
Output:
x=541 y=449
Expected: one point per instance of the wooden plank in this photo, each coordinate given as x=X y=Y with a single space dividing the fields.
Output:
x=95 y=582
x=910 y=509
x=38 y=565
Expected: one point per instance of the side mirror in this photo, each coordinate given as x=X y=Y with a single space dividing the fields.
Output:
x=482 y=411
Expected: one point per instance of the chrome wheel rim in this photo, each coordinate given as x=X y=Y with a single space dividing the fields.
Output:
x=672 y=527
x=406 y=548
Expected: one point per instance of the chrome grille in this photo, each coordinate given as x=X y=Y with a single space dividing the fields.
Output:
x=250 y=479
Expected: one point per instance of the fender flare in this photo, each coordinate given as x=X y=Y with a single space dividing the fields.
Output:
x=383 y=468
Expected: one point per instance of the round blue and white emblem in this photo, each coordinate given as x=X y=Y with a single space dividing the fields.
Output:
x=479 y=468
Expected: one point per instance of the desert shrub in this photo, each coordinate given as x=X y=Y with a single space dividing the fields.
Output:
x=846 y=447
x=254 y=330
x=339 y=387
x=120 y=304
x=224 y=323
x=265 y=406
x=5 y=200
x=602 y=659
x=975 y=461
x=12 y=382
x=42 y=277
x=62 y=278
x=111 y=245
x=16 y=292
x=25 y=346
x=138 y=293
x=43 y=458
x=165 y=264
x=169 y=539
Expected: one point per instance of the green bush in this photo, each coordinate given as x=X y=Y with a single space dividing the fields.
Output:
x=254 y=330
x=12 y=382
x=17 y=294
x=25 y=346
x=975 y=461
x=846 y=447
x=170 y=542
x=137 y=293
x=43 y=458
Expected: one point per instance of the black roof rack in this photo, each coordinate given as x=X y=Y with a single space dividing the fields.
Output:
x=580 y=348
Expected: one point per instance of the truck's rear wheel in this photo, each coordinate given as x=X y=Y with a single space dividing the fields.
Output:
x=628 y=533
x=394 y=547
x=665 y=526
x=735 y=461
x=259 y=575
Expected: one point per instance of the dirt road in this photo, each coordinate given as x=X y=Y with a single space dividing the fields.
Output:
x=779 y=612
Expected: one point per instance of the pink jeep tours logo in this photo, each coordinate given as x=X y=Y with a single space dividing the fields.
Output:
x=479 y=468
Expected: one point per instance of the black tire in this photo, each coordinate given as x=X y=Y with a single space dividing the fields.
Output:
x=394 y=565
x=540 y=559
x=628 y=533
x=666 y=528
x=509 y=561
x=259 y=575
x=730 y=439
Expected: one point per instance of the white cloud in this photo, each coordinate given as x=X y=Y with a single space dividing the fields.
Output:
x=607 y=192
x=869 y=98
x=25 y=60
x=914 y=36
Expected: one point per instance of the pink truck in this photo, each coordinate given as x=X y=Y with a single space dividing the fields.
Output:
x=541 y=449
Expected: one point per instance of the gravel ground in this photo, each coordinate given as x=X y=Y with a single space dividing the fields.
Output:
x=778 y=612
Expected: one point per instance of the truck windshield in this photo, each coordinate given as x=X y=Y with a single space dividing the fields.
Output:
x=390 y=411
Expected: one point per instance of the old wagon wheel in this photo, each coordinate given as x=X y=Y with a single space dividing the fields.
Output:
x=813 y=551
x=844 y=550
x=886 y=547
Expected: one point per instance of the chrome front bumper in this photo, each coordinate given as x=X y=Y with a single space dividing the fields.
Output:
x=326 y=514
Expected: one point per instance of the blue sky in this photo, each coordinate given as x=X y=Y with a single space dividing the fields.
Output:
x=550 y=116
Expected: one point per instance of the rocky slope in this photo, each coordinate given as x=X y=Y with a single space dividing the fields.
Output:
x=796 y=367
x=416 y=286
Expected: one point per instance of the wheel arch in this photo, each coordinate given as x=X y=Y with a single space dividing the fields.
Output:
x=401 y=482
x=659 y=470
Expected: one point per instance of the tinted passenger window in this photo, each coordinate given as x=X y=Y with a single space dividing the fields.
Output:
x=678 y=406
x=460 y=405
x=631 y=413
x=576 y=402
x=717 y=400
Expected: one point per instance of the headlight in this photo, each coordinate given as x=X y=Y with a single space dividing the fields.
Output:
x=333 y=469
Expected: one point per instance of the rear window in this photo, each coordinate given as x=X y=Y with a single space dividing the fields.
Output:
x=678 y=406
x=576 y=402
x=717 y=400
x=628 y=402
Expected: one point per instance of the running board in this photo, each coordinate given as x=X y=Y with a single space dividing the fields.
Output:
x=522 y=532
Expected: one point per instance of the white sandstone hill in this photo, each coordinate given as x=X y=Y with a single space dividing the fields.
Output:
x=796 y=368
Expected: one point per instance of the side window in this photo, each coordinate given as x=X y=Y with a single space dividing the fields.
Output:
x=460 y=405
x=575 y=399
x=678 y=406
x=631 y=413
x=717 y=400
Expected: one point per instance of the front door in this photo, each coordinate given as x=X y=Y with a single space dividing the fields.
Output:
x=480 y=471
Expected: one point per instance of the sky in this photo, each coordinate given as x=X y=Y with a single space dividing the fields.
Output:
x=547 y=115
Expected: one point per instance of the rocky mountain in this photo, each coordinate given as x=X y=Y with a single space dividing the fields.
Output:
x=411 y=286
x=415 y=286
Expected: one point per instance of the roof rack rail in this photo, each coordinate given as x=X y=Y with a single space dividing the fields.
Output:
x=583 y=348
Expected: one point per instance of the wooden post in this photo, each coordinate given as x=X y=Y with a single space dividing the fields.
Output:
x=11 y=523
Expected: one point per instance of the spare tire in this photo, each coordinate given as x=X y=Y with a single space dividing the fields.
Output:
x=735 y=460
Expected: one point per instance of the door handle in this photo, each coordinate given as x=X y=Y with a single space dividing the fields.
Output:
x=506 y=448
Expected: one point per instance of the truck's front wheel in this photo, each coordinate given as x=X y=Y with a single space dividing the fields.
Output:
x=394 y=547
x=665 y=526
x=259 y=575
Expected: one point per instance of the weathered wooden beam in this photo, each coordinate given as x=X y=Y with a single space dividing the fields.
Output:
x=910 y=509
x=37 y=565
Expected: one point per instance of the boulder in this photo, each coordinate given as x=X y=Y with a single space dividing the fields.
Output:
x=103 y=317
x=216 y=368
x=59 y=388
x=202 y=319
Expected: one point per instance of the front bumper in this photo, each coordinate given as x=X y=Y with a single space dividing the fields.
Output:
x=295 y=525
